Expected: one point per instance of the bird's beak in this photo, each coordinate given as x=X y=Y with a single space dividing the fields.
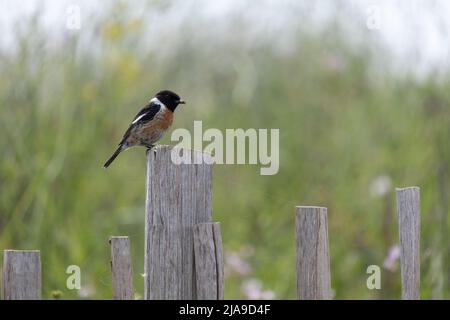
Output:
x=182 y=102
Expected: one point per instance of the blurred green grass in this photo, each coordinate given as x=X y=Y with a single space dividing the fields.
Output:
x=344 y=125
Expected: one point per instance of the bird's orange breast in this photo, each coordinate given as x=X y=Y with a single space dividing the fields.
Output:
x=162 y=121
x=150 y=132
x=154 y=130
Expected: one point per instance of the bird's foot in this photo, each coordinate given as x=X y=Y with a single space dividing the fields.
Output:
x=150 y=147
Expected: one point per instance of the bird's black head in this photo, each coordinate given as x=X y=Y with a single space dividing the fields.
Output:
x=170 y=99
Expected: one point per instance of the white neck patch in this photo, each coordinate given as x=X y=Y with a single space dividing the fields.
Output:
x=156 y=101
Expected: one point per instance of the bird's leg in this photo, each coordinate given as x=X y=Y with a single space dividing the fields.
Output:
x=149 y=147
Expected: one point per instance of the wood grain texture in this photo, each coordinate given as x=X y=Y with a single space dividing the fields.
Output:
x=219 y=260
x=313 y=262
x=208 y=261
x=121 y=268
x=178 y=198
x=408 y=209
x=21 y=275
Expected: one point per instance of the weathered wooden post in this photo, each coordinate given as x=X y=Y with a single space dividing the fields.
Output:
x=178 y=198
x=21 y=275
x=208 y=261
x=121 y=268
x=408 y=208
x=313 y=261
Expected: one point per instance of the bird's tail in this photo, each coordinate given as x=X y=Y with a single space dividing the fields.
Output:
x=114 y=156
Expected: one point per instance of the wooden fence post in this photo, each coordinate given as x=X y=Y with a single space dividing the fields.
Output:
x=121 y=267
x=408 y=208
x=178 y=198
x=208 y=261
x=21 y=275
x=313 y=262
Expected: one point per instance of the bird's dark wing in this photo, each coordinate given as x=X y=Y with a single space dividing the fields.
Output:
x=146 y=114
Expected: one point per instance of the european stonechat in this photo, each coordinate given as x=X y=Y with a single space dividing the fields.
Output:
x=149 y=125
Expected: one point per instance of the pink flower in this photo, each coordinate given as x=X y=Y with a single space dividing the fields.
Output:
x=335 y=63
x=390 y=262
x=235 y=263
x=253 y=290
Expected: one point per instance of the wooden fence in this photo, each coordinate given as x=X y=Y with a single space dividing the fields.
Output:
x=183 y=247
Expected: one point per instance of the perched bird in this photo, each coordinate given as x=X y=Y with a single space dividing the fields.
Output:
x=149 y=125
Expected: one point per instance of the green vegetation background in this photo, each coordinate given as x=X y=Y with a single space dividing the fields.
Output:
x=350 y=131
